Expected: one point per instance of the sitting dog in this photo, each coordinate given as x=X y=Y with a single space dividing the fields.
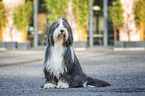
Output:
x=61 y=66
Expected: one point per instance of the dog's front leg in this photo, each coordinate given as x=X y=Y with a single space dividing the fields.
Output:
x=51 y=81
x=62 y=84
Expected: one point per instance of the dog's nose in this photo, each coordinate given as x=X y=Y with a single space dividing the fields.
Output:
x=61 y=30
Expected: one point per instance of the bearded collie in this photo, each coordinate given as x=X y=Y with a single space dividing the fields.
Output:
x=61 y=66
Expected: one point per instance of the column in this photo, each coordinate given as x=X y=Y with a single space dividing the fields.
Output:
x=35 y=24
x=91 y=41
x=105 y=39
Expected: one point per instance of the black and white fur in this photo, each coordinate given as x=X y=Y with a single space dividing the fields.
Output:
x=61 y=66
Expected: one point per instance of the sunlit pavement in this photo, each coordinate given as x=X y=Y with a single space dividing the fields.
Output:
x=21 y=73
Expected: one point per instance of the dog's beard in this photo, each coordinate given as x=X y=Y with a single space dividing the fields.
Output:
x=61 y=38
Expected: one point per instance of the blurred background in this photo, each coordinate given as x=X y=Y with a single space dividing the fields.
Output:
x=98 y=27
x=95 y=23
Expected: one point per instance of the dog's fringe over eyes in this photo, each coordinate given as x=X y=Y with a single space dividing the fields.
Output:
x=61 y=66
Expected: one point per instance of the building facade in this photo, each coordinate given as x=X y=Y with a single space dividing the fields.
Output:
x=100 y=30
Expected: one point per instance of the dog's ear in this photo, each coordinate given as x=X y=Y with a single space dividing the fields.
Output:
x=47 y=52
x=50 y=33
x=67 y=25
x=70 y=34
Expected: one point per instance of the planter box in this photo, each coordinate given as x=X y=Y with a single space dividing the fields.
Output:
x=140 y=44
x=118 y=44
x=23 y=46
x=129 y=44
x=11 y=45
x=82 y=44
x=2 y=45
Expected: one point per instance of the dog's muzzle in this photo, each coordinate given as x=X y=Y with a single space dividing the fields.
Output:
x=61 y=32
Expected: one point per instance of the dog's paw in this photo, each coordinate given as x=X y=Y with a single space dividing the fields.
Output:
x=49 y=85
x=62 y=85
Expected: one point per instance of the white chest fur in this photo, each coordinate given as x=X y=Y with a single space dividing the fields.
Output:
x=55 y=62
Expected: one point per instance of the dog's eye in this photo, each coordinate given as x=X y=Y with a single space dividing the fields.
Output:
x=57 y=25
x=65 y=26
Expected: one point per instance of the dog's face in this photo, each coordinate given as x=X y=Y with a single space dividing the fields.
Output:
x=60 y=30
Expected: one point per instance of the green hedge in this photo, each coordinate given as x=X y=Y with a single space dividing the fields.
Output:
x=22 y=15
x=116 y=13
x=140 y=11
x=57 y=9
x=3 y=19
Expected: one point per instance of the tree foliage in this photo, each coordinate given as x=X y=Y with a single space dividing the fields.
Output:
x=139 y=11
x=56 y=8
x=81 y=10
x=22 y=15
x=116 y=14
x=3 y=19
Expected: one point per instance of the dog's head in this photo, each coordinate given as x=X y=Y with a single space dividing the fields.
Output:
x=60 y=30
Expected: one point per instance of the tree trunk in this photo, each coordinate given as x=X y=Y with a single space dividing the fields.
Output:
x=82 y=33
x=11 y=32
x=72 y=20
x=0 y=33
x=24 y=35
x=129 y=19
x=115 y=33
x=144 y=32
x=128 y=33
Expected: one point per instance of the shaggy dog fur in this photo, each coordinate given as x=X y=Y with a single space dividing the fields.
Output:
x=61 y=66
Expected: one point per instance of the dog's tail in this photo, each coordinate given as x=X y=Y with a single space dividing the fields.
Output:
x=95 y=83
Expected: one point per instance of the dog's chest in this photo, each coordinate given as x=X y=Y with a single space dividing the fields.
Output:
x=56 y=63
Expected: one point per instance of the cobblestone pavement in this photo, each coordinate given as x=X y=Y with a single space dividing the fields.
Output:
x=21 y=73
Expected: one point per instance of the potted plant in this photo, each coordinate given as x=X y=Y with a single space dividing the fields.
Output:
x=139 y=12
x=116 y=17
x=81 y=7
x=22 y=20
